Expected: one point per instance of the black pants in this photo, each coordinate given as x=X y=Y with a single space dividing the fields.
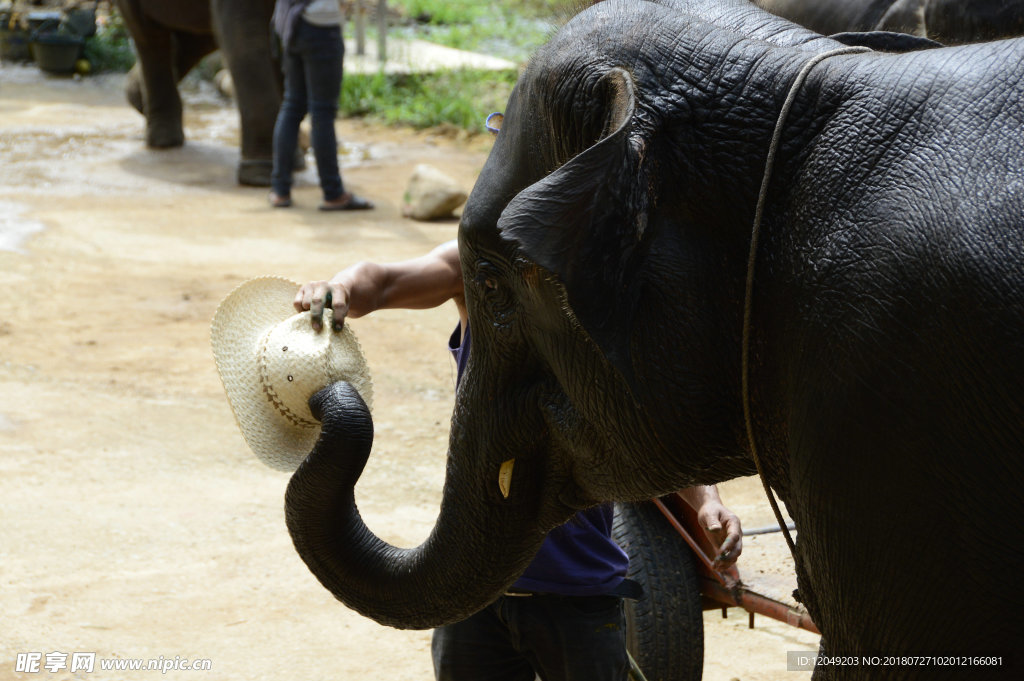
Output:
x=559 y=638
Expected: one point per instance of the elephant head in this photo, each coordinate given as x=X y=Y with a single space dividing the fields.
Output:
x=568 y=276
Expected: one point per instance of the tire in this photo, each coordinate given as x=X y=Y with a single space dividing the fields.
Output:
x=665 y=627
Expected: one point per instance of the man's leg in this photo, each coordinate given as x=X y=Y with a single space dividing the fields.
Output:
x=575 y=638
x=323 y=61
x=286 y=129
x=480 y=648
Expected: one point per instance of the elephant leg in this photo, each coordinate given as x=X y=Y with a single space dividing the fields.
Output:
x=153 y=85
x=243 y=33
x=161 y=101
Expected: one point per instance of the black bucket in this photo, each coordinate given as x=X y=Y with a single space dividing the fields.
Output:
x=56 y=51
x=13 y=46
x=13 y=38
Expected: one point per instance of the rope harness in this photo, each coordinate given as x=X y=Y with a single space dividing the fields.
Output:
x=773 y=148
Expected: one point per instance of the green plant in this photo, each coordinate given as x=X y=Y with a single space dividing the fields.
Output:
x=461 y=98
x=111 y=48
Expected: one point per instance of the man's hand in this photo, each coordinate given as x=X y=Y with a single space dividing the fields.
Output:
x=720 y=524
x=723 y=527
x=316 y=295
x=353 y=292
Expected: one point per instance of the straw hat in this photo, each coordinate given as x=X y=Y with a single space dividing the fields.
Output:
x=271 y=362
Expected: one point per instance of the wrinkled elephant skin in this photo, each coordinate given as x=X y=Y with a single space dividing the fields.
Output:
x=170 y=40
x=604 y=251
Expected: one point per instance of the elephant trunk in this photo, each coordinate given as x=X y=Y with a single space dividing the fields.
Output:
x=470 y=557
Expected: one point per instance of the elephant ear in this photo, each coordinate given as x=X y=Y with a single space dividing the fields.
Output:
x=585 y=222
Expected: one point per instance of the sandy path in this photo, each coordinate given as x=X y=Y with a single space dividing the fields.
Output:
x=135 y=522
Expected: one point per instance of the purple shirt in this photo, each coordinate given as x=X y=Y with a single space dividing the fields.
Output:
x=579 y=558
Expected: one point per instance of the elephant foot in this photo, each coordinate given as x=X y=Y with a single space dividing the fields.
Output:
x=255 y=173
x=164 y=137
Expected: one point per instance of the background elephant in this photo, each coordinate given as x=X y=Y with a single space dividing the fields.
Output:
x=951 y=22
x=831 y=16
x=605 y=252
x=171 y=38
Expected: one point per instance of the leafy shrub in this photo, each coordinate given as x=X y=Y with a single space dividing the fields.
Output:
x=111 y=48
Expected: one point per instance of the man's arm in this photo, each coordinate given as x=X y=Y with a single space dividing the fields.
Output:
x=423 y=282
x=720 y=524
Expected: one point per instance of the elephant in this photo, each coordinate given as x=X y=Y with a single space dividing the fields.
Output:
x=951 y=22
x=708 y=241
x=171 y=38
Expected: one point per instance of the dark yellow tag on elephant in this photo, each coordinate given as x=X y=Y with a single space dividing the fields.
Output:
x=505 y=477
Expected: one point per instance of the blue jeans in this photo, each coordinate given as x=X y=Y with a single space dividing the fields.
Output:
x=312 y=83
x=560 y=638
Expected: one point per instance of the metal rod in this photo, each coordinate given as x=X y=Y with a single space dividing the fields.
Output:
x=762 y=605
x=768 y=529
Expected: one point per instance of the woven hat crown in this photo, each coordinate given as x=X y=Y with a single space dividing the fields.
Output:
x=294 y=363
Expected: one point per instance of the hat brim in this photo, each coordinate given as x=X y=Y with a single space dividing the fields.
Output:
x=239 y=326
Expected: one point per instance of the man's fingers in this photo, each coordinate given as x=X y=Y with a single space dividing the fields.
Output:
x=729 y=544
x=317 y=296
x=317 y=299
x=300 y=302
x=338 y=308
x=339 y=304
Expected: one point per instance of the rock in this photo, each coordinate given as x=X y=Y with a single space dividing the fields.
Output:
x=432 y=195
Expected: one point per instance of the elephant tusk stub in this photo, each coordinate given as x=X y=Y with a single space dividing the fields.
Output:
x=505 y=477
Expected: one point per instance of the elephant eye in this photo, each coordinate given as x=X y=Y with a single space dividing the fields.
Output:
x=486 y=277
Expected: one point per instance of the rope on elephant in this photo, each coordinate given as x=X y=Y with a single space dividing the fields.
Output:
x=801 y=76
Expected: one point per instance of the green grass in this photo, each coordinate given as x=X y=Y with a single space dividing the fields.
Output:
x=462 y=98
x=444 y=11
x=512 y=30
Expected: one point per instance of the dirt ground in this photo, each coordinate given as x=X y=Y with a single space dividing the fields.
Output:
x=135 y=522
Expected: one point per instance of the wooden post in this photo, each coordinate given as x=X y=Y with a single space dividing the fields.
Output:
x=360 y=27
x=382 y=30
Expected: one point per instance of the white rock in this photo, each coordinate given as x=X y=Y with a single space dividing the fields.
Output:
x=431 y=194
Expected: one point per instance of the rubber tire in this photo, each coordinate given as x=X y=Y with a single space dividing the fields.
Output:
x=665 y=627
